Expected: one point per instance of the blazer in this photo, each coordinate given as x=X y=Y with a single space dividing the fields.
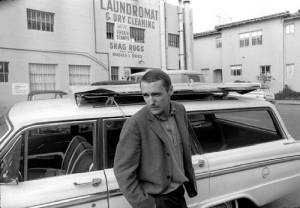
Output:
x=142 y=163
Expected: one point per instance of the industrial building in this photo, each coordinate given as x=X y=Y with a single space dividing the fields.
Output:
x=264 y=49
x=52 y=45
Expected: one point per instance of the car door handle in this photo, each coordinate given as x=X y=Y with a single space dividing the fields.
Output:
x=95 y=182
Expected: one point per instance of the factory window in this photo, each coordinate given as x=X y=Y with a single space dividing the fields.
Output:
x=110 y=30
x=290 y=28
x=39 y=20
x=79 y=75
x=114 y=73
x=265 y=69
x=218 y=42
x=42 y=76
x=256 y=37
x=137 y=35
x=236 y=70
x=244 y=39
x=3 y=71
x=173 y=40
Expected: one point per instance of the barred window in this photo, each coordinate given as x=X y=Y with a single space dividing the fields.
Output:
x=114 y=73
x=110 y=30
x=42 y=76
x=137 y=35
x=173 y=40
x=3 y=71
x=79 y=75
x=244 y=39
x=236 y=70
x=40 y=20
x=290 y=70
x=256 y=37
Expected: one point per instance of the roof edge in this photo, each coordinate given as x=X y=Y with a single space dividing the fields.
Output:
x=249 y=21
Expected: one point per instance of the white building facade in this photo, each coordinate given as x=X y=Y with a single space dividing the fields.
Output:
x=51 y=45
x=265 y=47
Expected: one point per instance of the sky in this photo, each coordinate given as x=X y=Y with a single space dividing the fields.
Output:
x=208 y=13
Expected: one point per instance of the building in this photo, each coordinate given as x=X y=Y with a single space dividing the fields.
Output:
x=51 y=45
x=265 y=48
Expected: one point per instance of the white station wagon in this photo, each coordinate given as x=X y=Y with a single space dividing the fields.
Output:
x=59 y=153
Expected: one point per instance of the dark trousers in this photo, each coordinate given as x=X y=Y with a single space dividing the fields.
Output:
x=174 y=199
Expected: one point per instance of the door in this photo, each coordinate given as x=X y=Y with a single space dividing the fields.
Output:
x=218 y=77
x=53 y=165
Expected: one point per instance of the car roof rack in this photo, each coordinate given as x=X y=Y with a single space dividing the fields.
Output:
x=131 y=94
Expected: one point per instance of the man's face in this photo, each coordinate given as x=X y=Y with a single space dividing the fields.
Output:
x=157 y=97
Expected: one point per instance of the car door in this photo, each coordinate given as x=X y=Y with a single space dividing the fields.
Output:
x=253 y=158
x=52 y=165
x=111 y=131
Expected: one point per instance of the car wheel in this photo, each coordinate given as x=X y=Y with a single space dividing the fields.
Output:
x=230 y=204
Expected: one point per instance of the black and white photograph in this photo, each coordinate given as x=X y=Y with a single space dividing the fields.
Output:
x=149 y=104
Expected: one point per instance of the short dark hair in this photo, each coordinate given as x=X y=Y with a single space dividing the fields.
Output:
x=154 y=75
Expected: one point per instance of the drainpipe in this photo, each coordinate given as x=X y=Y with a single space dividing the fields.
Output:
x=188 y=34
x=181 y=37
x=163 y=35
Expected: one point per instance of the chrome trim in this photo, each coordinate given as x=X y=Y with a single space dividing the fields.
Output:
x=74 y=201
x=246 y=166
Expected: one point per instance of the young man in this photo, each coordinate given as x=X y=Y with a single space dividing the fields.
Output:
x=153 y=157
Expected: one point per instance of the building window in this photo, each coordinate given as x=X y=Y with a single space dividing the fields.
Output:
x=236 y=70
x=244 y=39
x=42 y=76
x=3 y=71
x=256 y=37
x=114 y=73
x=110 y=30
x=218 y=42
x=290 y=28
x=265 y=69
x=173 y=40
x=79 y=75
x=39 y=20
x=290 y=69
x=137 y=35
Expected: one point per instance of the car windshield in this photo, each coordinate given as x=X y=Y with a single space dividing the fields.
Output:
x=3 y=126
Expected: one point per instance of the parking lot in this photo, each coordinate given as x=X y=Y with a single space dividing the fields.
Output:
x=291 y=117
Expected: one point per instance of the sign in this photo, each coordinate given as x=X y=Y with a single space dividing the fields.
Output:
x=20 y=88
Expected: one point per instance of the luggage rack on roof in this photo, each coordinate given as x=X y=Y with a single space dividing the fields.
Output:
x=106 y=95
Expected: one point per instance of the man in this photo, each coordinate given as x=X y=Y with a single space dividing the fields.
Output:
x=153 y=156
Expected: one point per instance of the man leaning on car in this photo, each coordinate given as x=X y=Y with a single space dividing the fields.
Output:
x=153 y=157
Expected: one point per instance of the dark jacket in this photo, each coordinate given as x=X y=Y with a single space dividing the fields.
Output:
x=142 y=163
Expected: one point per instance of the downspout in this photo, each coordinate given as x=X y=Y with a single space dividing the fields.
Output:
x=283 y=54
x=188 y=34
x=163 y=35
x=181 y=37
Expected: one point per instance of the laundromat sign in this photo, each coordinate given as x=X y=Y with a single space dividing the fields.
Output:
x=125 y=15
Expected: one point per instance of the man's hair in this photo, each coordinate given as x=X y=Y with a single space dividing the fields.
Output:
x=154 y=75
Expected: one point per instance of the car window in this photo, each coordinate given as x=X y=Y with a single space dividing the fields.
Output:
x=51 y=150
x=112 y=129
x=218 y=131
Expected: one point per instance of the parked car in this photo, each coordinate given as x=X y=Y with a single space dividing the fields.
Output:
x=262 y=93
x=59 y=152
x=177 y=76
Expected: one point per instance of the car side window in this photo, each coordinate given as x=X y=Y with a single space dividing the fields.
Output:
x=52 y=150
x=219 y=131
x=112 y=129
